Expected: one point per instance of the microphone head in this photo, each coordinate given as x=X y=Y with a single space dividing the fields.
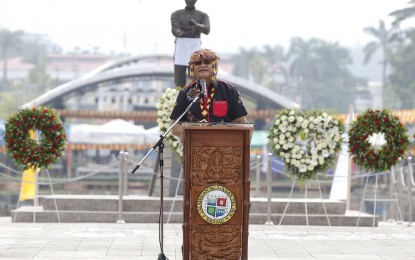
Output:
x=203 y=85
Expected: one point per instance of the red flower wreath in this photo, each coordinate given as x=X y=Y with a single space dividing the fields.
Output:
x=27 y=152
x=377 y=122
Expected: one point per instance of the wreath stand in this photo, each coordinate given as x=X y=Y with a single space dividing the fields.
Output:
x=372 y=130
x=176 y=195
x=306 y=198
x=36 y=198
x=394 y=198
x=26 y=148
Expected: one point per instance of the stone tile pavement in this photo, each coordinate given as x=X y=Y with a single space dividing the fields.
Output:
x=140 y=241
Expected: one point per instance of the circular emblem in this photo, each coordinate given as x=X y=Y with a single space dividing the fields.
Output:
x=216 y=204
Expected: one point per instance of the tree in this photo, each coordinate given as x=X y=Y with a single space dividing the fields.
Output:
x=34 y=51
x=318 y=68
x=243 y=62
x=257 y=67
x=9 y=41
x=334 y=60
x=303 y=67
x=302 y=58
x=276 y=69
x=334 y=85
x=386 y=40
x=402 y=77
x=263 y=66
x=320 y=71
x=404 y=14
x=10 y=101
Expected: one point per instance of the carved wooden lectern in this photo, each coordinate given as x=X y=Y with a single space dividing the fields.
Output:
x=216 y=191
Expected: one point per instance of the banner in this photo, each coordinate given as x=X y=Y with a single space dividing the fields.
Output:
x=28 y=188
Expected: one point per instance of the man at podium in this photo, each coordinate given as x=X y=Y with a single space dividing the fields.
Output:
x=221 y=102
x=215 y=162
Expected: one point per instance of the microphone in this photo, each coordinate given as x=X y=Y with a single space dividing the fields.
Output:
x=203 y=85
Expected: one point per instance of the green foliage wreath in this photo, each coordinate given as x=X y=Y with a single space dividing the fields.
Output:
x=307 y=141
x=25 y=150
x=377 y=155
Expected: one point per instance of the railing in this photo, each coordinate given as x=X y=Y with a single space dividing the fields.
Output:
x=387 y=194
x=391 y=194
x=108 y=172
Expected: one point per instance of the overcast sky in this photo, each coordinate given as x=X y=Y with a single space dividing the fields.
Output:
x=234 y=23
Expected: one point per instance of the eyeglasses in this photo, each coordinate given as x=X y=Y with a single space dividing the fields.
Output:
x=206 y=62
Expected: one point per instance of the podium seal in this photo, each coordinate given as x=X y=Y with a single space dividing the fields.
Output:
x=216 y=204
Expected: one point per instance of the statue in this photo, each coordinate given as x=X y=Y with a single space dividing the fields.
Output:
x=186 y=25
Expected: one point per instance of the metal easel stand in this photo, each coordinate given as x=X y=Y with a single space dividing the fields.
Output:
x=322 y=201
x=306 y=200
x=411 y=183
x=36 y=198
x=53 y=195
x=179 y=181
x=375 y=199
x=288 y=202
x=269 y=190
x=122 y=185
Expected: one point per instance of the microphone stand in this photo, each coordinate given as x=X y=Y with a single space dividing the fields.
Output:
x=159 y=144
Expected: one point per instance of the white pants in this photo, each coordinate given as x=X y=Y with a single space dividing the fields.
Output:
x=184 y=49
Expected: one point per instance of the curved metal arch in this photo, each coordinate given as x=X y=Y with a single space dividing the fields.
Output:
x=137 y=67
x=127 y=62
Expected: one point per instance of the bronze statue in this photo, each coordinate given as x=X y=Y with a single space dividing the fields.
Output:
x=186 y=25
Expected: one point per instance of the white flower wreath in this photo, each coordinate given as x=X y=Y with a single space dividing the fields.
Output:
x=164 y=108
x=307 y=141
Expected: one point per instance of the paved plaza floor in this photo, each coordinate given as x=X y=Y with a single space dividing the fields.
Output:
x=140 y=241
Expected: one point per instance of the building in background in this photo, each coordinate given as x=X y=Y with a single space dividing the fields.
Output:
x=60 y=67
x=369 y=96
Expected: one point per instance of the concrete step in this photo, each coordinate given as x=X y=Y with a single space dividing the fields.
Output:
x=299 y=206
x=144 y=209
x=39 y=215
x=107 y=203
x=145 y=203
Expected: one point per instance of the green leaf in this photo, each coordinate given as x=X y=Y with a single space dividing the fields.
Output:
x=303 y=135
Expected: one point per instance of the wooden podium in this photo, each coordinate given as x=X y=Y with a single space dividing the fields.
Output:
x=216 y=190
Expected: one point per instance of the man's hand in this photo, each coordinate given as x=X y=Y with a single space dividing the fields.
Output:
x=241 y=119
x=192 y=22
x=179 y=32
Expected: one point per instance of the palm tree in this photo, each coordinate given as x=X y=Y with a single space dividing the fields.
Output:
x=320 y=70
x=9 y=42
x=243 y=62
x=334 y=60
x=385 y=40
x=404 y=14
x=303 y=66
x=275 y=57
x=302 y=57
x=402 y=78
x=257 y=68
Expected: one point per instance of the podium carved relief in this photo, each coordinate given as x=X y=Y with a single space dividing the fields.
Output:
x=216 y=165
x=213 y=242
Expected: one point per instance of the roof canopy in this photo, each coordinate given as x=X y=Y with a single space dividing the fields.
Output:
x=116 y=131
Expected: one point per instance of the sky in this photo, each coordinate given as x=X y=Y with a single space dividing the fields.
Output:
x=143 y=26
